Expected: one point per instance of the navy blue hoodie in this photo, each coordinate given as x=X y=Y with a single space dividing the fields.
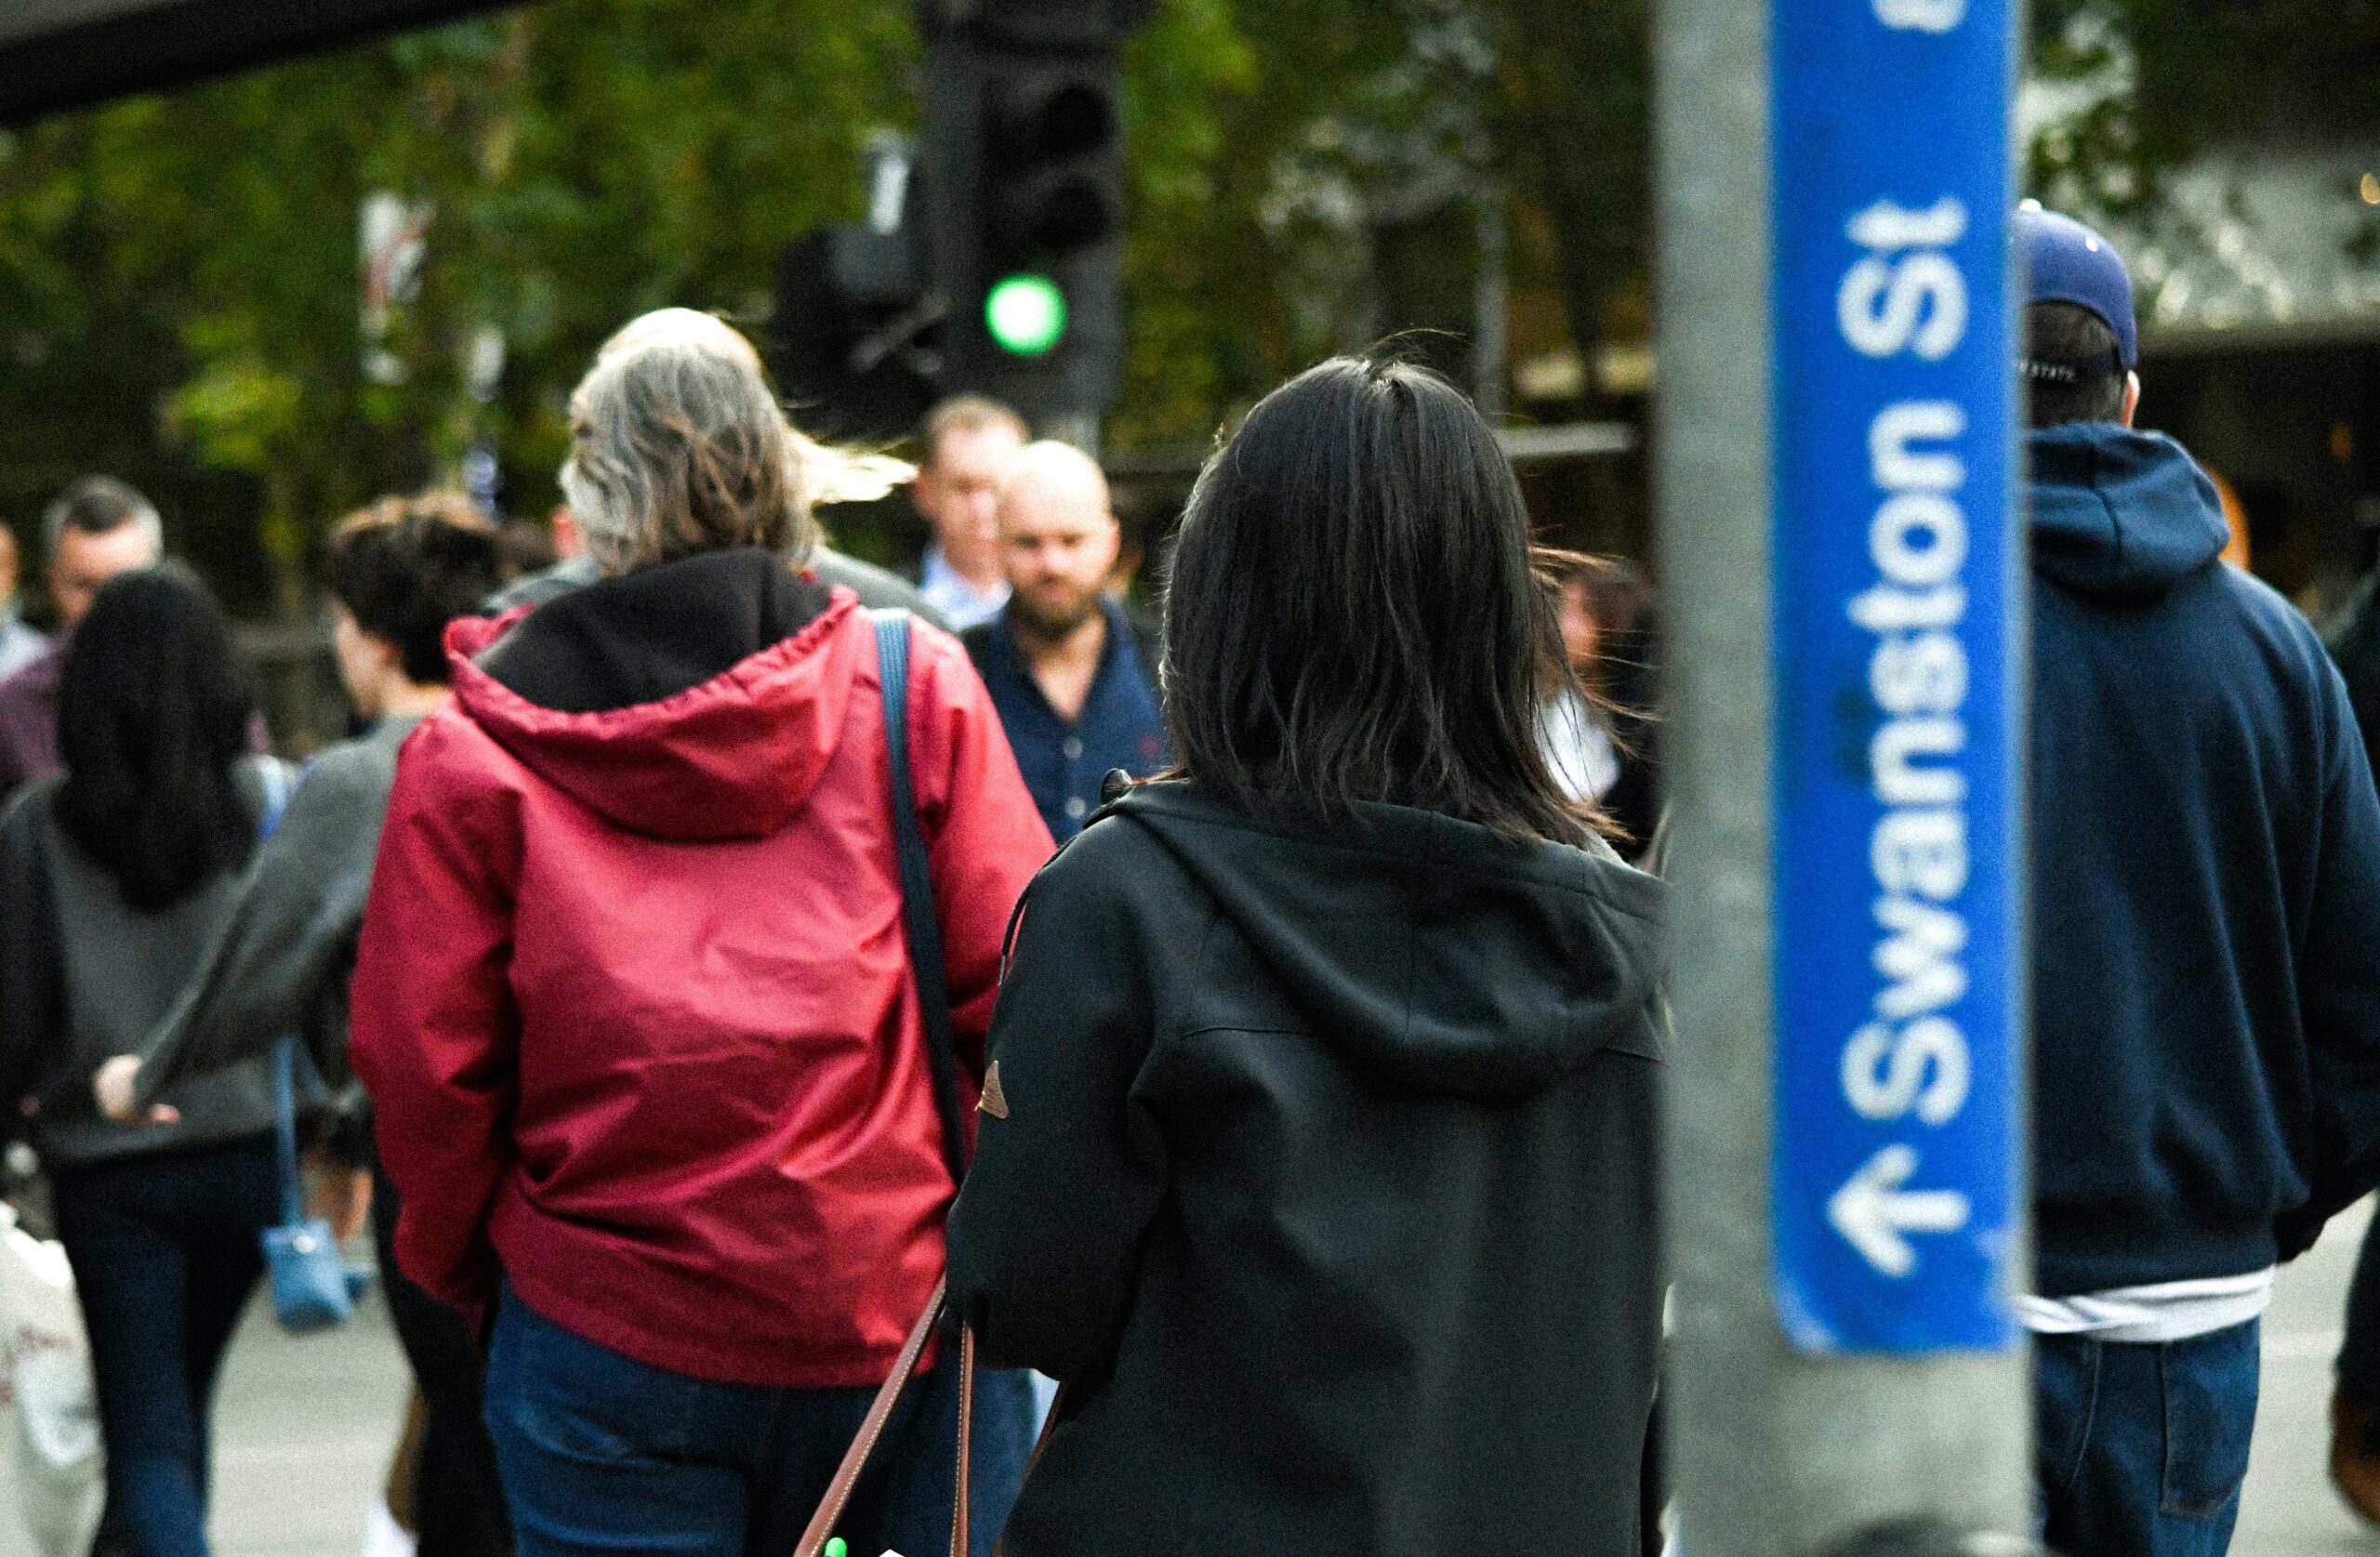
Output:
x=2206 y=888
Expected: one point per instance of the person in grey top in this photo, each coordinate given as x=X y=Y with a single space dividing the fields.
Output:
x=398 y=572
x=114 y=879
x=877 y=588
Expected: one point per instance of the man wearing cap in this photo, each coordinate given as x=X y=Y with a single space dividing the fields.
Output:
x=2206 y=906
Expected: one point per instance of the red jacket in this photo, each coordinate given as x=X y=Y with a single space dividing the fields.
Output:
x=632 y=1000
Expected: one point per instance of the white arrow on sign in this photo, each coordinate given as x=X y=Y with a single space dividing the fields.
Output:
x=1872 y=1211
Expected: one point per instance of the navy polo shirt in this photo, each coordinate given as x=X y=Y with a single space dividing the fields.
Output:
x=1064 y=764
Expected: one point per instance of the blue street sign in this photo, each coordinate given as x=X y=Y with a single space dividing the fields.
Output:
x=1894 y=563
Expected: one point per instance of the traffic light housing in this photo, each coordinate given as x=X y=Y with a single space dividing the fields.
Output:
x=1024 y=183
x=852 y=333
x=996 y=266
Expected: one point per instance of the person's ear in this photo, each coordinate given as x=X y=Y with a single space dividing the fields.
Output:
x=390 y=655
x=2131 y=397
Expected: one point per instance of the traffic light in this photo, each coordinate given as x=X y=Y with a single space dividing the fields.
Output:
x=994 y=266
x=853 y=336
x=1024 y=181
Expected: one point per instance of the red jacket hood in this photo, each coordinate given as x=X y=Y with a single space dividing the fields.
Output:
x=734 y=756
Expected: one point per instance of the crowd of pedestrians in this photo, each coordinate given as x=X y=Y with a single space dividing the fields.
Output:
x=729 y=977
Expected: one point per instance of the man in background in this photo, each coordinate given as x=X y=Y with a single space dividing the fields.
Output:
x=20 y=645
x=964 y=449
x=97 y=529
x=1061 y=662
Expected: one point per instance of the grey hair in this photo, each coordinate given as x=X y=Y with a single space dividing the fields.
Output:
x=97 y=505
x=678 y=447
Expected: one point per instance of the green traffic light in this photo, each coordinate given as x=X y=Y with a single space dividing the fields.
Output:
x=1027 y=314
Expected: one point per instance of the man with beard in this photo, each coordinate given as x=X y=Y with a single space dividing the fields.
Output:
x=1063 y=664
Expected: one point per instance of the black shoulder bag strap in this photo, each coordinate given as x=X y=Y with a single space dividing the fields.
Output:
x=918 y=912
x=933 y=997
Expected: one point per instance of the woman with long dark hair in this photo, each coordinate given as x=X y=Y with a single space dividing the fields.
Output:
x=114 y=881
x=397 y=573
x=1318 y=1154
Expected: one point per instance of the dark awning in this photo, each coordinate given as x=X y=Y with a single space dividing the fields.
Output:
x=59 y=54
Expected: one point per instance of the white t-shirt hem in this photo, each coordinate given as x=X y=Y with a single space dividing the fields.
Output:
x=2153 y=1314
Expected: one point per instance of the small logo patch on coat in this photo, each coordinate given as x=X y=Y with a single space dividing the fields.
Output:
x=995 y=1101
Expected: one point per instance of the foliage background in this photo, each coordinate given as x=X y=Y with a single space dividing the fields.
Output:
x=179 y=275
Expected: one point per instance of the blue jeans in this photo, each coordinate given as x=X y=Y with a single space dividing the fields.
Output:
x=165 y=1250
x=603 y=1454
x=2139 y=1450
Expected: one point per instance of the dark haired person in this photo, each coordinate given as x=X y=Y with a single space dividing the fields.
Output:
x=97 y=528
x=114 y=879
x=1599 y=729
x=1060 y=659
x=398 y=572
x=2355 y=1406
x=1317 y=1156
x=2206 y=898
x=634 y=1000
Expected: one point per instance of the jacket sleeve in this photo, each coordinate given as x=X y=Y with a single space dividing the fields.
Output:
x=1047 y=1232
x=435 y=1031
x=294 y=924
x=2339 y=988
x=32 y=994
x=984 y=836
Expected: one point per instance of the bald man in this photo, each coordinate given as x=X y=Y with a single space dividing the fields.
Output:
x=1065 y=669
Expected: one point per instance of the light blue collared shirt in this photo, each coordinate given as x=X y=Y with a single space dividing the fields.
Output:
x=961 y=601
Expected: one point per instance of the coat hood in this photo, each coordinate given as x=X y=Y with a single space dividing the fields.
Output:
x=1427 y=950
x=697 y=701
x=2120 y=514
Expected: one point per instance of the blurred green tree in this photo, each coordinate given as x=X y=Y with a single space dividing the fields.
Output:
x=179 y=276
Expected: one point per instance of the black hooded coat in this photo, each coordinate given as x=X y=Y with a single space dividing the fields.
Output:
x=1321 y=1164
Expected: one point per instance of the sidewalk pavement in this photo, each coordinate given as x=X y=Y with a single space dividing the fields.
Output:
x=2289 y=1509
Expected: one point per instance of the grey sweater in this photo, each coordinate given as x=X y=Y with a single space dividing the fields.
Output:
x=286 y=952
x=877 y=589
x=83 y=978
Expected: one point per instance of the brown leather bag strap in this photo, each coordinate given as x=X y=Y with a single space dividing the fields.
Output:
x=965 y=1440
x=871 y=1428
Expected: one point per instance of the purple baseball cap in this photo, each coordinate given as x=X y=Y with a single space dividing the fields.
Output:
x=2067 y=262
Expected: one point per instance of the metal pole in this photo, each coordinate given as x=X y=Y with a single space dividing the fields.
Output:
x=1078 y=427
x=1491 y=298
x=1780 y=1451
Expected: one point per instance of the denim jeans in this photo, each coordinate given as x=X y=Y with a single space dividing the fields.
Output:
x=2139 y=1450
x=165 y=1250
x=603 y=1454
